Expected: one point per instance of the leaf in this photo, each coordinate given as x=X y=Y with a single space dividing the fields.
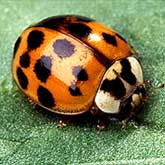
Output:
x=29 y=134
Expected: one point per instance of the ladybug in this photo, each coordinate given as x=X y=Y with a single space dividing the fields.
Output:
x=73 y=64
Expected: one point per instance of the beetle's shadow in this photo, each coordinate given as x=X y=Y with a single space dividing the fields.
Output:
x=88 y=120
x=81 y=120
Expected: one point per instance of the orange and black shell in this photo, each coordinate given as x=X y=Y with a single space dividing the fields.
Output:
x=59 y=62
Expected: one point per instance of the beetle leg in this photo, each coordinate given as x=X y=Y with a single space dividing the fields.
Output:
x=61 y=124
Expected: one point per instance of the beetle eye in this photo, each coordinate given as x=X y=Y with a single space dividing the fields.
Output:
x=141 y=89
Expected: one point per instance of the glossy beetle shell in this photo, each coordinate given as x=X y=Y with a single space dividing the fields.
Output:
x=59 y=62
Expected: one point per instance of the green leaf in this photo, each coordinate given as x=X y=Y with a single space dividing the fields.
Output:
x=29 y=134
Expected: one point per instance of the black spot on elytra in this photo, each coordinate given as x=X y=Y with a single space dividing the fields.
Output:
x=45 y=97
x=63 y=48
x=80 y=73
x=114 y=87
x=25 y=60
x=42 y=68
x=126 y=73
x=82 y=76
x=35 y=39
x=16 y=46
x=74 y=91
x=22 y=79
x=110 y=39
x=79 y=29
x=120 y=37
